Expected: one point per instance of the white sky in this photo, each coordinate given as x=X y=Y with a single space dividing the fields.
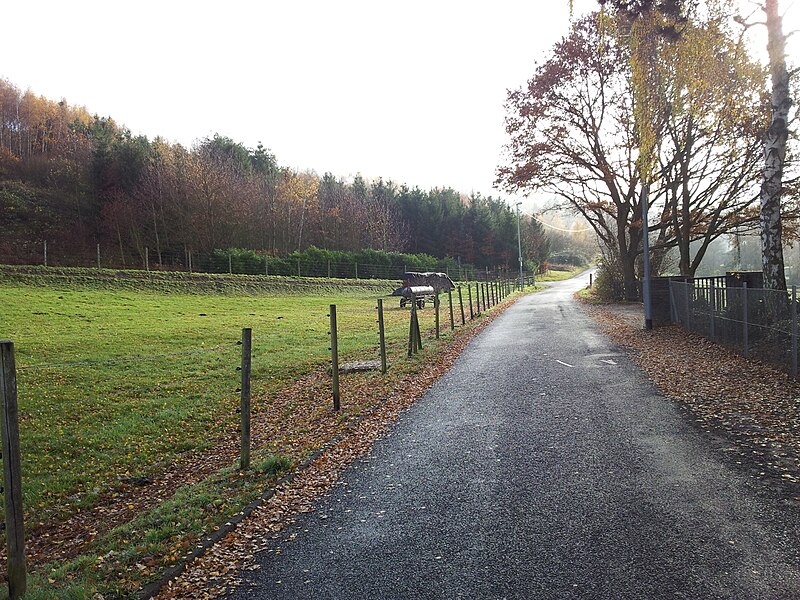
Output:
x=411 y=91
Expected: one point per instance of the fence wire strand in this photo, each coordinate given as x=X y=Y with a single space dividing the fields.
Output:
x=125 y=359
x=755 y=322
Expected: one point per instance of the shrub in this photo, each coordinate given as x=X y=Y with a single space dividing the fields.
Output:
x=608 y=283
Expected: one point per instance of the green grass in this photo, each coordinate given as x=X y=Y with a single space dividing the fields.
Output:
x=560 y=275
x=588 y=295
x=116 y=383
x=85 y=426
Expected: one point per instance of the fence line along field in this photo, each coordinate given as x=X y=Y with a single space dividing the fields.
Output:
x=118 y=385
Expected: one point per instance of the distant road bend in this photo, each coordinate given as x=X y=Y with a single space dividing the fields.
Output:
x=543 y=465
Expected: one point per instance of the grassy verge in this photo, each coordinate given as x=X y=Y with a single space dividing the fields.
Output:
x=588 y=294
x=560 y=275
x=118 y=384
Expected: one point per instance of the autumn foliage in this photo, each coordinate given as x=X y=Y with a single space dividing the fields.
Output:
x=76 y=180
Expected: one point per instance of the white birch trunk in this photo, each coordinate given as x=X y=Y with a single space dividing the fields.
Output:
x=774 y=153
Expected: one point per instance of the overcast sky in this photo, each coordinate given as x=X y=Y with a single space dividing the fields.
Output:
x=411 y=91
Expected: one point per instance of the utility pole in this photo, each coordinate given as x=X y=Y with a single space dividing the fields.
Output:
x=648 y=309
x=519 y=247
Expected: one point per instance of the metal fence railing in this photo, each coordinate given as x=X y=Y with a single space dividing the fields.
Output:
x=759 y=323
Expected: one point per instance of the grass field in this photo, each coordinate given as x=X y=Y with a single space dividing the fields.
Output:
x=89 y=416
x=117 y=383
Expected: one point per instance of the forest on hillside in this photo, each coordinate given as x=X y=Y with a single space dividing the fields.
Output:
x=75 y=180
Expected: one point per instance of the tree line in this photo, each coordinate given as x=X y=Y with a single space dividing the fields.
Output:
x=78 y=180
x=658 y=103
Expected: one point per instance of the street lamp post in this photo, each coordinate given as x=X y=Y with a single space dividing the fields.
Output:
x=519 y=247
x=648 y=307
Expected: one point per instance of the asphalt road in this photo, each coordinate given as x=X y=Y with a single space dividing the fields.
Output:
x=542 y=465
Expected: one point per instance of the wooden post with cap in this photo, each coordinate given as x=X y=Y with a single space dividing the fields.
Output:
x=12 y=474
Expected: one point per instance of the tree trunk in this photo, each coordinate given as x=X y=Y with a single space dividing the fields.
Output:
x=774 y=154
x=631 y=290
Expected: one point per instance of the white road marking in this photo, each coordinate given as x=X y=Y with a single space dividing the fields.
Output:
x=561 y=362
x=610 y=362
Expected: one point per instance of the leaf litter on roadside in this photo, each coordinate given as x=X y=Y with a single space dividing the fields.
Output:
x=755 y=407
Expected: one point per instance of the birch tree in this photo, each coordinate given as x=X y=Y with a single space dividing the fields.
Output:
x=777 y=133
x=774 y=152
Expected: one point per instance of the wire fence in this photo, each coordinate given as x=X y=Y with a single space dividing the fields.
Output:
x=124 y=359
x=237 y=263
x=97 y=412
x=758 y=323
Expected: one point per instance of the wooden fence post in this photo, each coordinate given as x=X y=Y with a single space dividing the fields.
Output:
x=334 y=359
x=469 y=297
x=414 y=335
x=98 y=256
x=436 y=311
x=417 y=333
x=12 y=476
x=411 y=342
x=450 y=303
x=461 y=305
x=382 y=335
x=247 y=344
x=147 y=259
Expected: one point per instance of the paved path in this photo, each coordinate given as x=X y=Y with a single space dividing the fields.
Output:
x=542 y=465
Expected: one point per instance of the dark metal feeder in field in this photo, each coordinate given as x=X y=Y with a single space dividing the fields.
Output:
x=422 y=287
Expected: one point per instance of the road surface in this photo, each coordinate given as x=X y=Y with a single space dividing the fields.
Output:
x=542 y=465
